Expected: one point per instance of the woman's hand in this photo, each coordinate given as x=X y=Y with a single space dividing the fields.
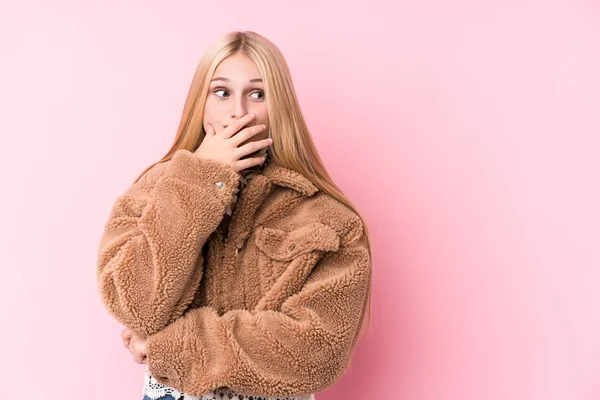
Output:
x=223 y=146
x=136 y=344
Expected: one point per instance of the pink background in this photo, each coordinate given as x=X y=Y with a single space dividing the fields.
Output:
x=467 y=132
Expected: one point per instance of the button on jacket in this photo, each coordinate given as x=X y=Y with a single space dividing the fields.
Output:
x=273 y=309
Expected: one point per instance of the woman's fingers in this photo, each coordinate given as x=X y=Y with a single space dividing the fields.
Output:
x=237 y=125
x=215 y=145
x=137 y=347
x=126 y=336
x=252 y=147
x=210 y=130
x=126 y=332
x=249 y=162
x=247 y=133
x=139 y=357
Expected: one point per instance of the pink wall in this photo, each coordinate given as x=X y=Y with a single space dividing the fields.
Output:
x=468 y=134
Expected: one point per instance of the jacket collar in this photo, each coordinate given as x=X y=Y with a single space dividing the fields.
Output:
x=283 y=176
x=255 y=192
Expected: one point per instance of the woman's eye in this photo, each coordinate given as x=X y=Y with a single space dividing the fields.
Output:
x=226 y=93
x=219 y=90
x=260 y=93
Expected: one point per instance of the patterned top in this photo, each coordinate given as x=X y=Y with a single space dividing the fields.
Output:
x=155 y=390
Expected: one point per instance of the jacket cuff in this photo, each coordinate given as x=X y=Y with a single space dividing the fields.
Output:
x=166 y=358
x=179 y=356
x=199 y=171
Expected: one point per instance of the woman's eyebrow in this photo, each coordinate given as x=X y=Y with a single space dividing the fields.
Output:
x=220 y=78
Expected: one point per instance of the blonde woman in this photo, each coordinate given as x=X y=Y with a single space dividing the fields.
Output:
x=236 y=265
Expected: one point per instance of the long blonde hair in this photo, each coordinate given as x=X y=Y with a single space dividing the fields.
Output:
x=292 y=145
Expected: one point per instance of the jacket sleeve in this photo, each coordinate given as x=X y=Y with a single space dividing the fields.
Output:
x=302 y=348
x=149 y=258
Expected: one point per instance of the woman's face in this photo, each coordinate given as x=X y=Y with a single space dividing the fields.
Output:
x=236 y=90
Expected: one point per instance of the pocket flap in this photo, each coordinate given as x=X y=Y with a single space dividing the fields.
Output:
x=283 y=245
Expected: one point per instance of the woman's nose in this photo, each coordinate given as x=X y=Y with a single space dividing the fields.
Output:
x=240 y=109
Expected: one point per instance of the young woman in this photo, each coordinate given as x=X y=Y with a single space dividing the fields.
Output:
x=237 y=266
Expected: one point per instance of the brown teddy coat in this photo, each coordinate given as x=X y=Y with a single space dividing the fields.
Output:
x=275 y=308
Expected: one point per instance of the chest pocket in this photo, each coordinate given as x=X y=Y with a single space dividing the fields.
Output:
x=286 y=258
x=282 y=245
